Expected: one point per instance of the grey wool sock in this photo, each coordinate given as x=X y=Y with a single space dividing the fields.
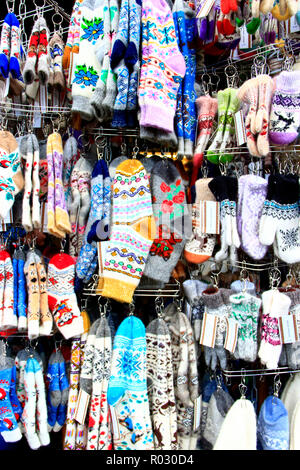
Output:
x=214 y=305
x=172 y=221
x=86 y=373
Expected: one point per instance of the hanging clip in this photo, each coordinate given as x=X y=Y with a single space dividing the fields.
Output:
x=242 y=385
x=159 y=306
x=131 y=309
x=277 y=387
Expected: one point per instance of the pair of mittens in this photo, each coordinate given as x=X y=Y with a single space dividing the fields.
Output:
x=37 y=62
x=11 y=50
x=58 y=391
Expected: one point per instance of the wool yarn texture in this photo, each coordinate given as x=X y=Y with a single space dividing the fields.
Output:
x=160 y=387
x=218 y=407
x=9 y=428
x=127 y=388
x=131 y=232
x=8 y=317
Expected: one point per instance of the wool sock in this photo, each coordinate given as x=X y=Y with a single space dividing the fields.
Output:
x=46 y=320
x=9 y=427
x=252 y=191
x=64 y=389
x=207 y=108
x=121 y=41
x=61 y=296
x=84 y=187
x=285 y=109
x=32 y=54
x=100 y=206
x=73 y=35
x=70 y=157
x=54 y=392
x=214 y=305
x=223 y=102
x=9 y=319
x=70 y=434
x=51 y=223
x=43 y=55
x=161 y=398
x=229 y=128
x=41 y=405
x=88 y=68
x=22 y=295
x=99 y=432
x=29 y=412
x=172 y=221
x=132 y=50
x=74 y=208
x=132 y=231
x=16 y=405
x=265 y=92
x=5 y=45
x=15 y=49
x=33 y=308
x=56 y=47
x=119 y=115
x=174 y=64
x=248 y=94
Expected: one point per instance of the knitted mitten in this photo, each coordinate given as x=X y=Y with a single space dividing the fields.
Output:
x=5 y=45
x=248 y=94
x=158 y=344
x=279 y=222
x=214 y=305
x=274 y=305
x=20 y=362
x=223 y=103
x=127 y=392
x=30 y=149
x=121 y=41
x=22 y=294
x=252 y=192
x=193 y=289
x=15 y=403
x=61 y=296
x=74 y=207
x=171 y=218
x=245 y=310
x=285 y=109
x=73 y=36
x=131 y=234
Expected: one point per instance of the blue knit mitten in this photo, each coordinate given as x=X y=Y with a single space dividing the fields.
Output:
x=64 y=388
x=54 y=393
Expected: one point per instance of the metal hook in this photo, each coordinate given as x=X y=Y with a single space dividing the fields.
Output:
x=131 y=309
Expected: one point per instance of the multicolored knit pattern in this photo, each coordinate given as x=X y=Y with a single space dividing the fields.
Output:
x=162 y=69
x=131 y=194
x=132 y=231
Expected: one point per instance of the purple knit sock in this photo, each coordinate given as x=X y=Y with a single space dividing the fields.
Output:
x=285 y=110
